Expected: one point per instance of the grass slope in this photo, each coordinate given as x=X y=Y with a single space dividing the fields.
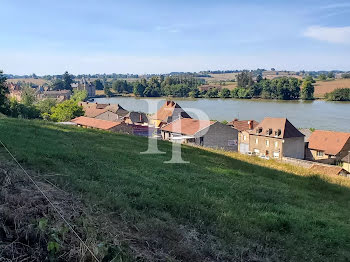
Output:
x=217 y=207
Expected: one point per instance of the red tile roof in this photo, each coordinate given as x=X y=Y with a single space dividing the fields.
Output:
x=242 y=125
x=95 y=123
x=187 y=126
x=328 y=141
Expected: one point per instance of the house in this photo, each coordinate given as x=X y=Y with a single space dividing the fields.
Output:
x=277 y=138
x=328 y=146
x=109 y=112
x=201 y=132
x=84 y=85
x=330 y=170
x=346 y=162
x=169 y=112
x=15 y=91
x=88 y=122
x=243 y=127
x=307 y=134
x=60 y=95
x=136 y=118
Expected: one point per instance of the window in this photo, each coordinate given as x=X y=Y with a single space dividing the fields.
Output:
x=244 y=137
x=276 y=144
x=267 y=142
x=256 y=141
x=276 y=154
x=320 y=153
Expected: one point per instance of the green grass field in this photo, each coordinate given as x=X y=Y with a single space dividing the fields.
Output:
x=219 y=207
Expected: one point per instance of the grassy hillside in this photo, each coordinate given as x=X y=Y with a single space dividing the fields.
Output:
x=219 y=207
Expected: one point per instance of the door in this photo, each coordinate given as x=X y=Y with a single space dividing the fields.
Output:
x=243 y=148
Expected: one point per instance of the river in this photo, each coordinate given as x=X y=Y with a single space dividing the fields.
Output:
x=317 y=114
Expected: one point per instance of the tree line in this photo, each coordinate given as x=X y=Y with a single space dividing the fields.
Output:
x=156 y=86
x=284 y=88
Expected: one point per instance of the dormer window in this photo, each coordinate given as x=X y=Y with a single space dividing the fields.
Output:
x=269 y=131
x=279 y=132
x=259 y=130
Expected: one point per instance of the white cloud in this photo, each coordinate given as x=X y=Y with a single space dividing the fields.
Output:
x=339 y=35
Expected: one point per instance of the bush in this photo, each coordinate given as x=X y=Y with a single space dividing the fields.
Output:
x=339 y=94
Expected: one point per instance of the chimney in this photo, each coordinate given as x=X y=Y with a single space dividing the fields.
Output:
x=236 y=119
x=140 y=117
x=250 y=124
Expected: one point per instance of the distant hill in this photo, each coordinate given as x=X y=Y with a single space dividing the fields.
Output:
x=219 y=207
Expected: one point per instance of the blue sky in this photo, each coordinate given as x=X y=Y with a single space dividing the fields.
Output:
x=49 y=37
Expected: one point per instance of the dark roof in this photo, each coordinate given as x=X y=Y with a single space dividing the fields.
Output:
x=137 y=117
x=346 y=158
x=307 y=133
x=242 y=125
x=328 y=141
x=279 y=127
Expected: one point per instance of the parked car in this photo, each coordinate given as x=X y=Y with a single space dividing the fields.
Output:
x=250 y=153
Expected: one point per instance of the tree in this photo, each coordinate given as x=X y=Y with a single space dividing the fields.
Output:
x=107 y=91
x=307 y=90
x=331 y=75
x=138 y=89
x=259 y=78
x=28 y=96
x=339 y=94
x=212 y=93
x=45 y=107
x=80 y=95
x=98 y=84
x=345 y=75
x=4 y=103
x=225 y=93
x=245 y=79
x=310 y=79
x=322 y=77
x=57 y=85
x=20 y=110
x=67 y=81
x=66 y=111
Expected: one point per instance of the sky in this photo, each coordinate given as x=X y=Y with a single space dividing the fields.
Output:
x=161 y=36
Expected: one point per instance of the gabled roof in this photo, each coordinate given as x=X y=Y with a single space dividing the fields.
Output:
x=307 y=133
x=242 y=125
x=95 y=123
x=187 y=126
x=170 y=109
x=328 y=141
x=279 y=127
x=94 y=109
x=137 y=117
x=327 y=170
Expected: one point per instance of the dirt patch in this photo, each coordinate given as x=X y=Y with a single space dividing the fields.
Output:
x=323 y=87
x=31 y=230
